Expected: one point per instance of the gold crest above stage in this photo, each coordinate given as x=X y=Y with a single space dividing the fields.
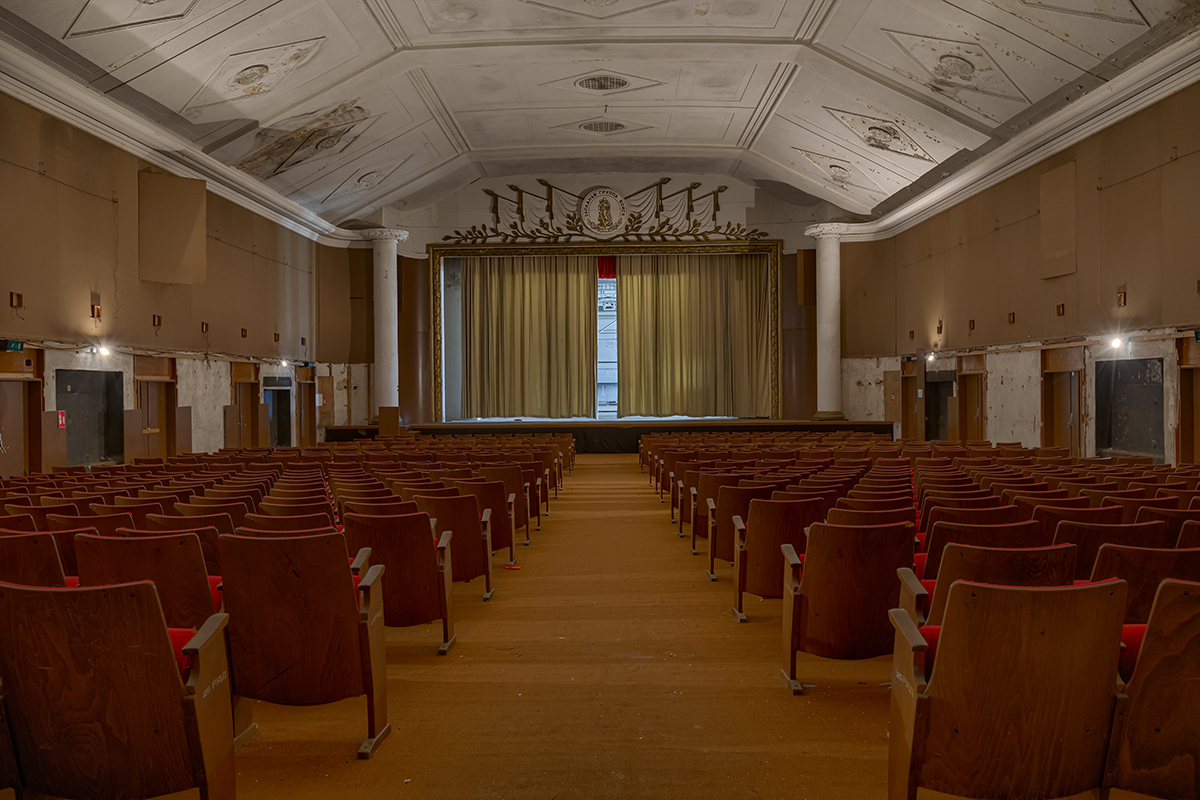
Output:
x=602 y=214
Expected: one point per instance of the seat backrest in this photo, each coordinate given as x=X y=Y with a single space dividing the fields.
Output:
x=1026 y=533
x=1144 y=568
x=109 y=645
x=105 y=524
x=174 y=563
x=848 y=585
x=1130 y=505
x=294 y=522
x=405 y=546
x=1173 y=517
x=460 y=515
x=393 y=506
x=867 y=504
x=1153 y=748
x=293 y=618
x=491 y=494
x=513 y=482
x=410 y=493
x=30 y=559
x=1021 y=673
x=18 y=522
x=136 y=506
x=1088 y=537
x=849 y=516
x=1001 y=566
x=1049 y=516
x=290 y=509
x=771 y=524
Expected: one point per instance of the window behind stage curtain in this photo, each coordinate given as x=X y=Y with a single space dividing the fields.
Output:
x=529 y=336
x=693 y=335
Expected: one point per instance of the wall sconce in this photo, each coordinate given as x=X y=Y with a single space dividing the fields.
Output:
x=939 y=328
x=1120 y=299
x=204 y=327
x=912 y=334
x=1012 y=317
x=303 y=341
x=95 y=312
x=16 y=300
x=1061 y=309
x=277 y=336
x=243 y=333
x=970 y=324
x=156 y=320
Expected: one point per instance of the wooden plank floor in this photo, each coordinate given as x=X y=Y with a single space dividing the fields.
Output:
x=609 y=666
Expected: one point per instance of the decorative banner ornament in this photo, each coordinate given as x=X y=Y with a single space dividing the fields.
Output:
x=603 y=212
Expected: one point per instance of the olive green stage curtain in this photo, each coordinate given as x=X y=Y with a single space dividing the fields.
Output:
x=529 y=336
x=693 y=335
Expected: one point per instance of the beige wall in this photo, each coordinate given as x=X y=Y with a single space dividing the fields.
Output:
x=69 y=238
x=345 y=306
x=1137 y=188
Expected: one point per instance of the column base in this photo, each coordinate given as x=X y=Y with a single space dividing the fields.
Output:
x=828 y=416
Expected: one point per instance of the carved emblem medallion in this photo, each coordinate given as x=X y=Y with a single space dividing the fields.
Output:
x=603 y=211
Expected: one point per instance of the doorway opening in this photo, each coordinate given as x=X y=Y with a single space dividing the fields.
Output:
x=94 y=403
x=1129 y=408
x=279 y=417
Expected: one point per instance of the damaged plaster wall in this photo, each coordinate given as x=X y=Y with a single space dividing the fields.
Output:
x=350 y=399
x=204 y=384
x=84 y=359
x=1014 y=397
x=862 y=388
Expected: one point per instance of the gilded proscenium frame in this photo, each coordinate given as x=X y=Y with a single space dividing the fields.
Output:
x=773 y=248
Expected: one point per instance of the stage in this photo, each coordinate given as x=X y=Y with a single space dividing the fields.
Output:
x=622 y=436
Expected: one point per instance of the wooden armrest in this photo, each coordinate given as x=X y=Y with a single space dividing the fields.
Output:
x=361 y=561
x=789 y=555
x=444 y=542
x=712 y=507
x=433 y=525
x=486 y=517
x=911 y=594
x=512 y=499
x=739 y=533
x=693 y=492
x=907 y=630
x=202 y=639
x=366 y=587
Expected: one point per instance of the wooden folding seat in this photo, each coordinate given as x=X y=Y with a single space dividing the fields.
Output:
x=835 y=601
x=1027 y=505
x=472 y=530
x=30 y=559
x=1025 y=533
x=209 y=527
x=38 y=512
x=278 y=508
x=380 y=507
x=153 y=735
x=167 y=497
x=886 y=504
x=491 y=496
x=410 y=493
x=758 y=542
x=174 y=563
x=992 y=515
x=105 y=524
x=731 y=501
x=294 y=522
x=201 y=501
x=18 y=522
x=1018 y=700
x=275 y=533
x=419 y=568
x=1130 y=505
x=848 y=516
x=1186 y=496
x=1097 y=497
x=222 y=494
x=300 y=632
x=1154 y=748
x=925 y=600
x=1010 y=494
x=1175 y=518
x=996 y=484
x=1144 y=568
x=682 y=478
x=236 y=511
x=1088 y=537
x=1049 y=516
x=705 y=490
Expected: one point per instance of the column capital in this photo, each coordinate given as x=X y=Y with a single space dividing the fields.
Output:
x=827 y=230
x=384 y=234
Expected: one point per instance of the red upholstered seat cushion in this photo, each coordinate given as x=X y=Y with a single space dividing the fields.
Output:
x=72 y=582
x=931 y=634
x=179 y=638
x=921 y=541
x=214 y=586
x=927 y=599
x=919 y=564
x=1131 y=637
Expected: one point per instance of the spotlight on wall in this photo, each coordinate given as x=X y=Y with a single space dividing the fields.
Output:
x=104 y=351
x=283 y=363
x=1116 y=342
x=930 y=357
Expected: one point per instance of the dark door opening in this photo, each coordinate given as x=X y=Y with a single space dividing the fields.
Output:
x=1129 y=408
x=94 y=403
x=279 y=417
x=939 y=388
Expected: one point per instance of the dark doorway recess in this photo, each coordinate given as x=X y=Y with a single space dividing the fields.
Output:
x=1129 y=408
x=279 y=417
x=95 y=405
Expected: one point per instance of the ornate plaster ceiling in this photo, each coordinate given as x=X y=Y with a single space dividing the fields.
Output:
x=345 y=106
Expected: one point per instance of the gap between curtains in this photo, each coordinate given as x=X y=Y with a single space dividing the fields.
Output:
x=693 y=335
x=529 y=336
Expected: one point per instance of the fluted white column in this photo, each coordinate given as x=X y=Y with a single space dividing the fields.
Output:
x=386 y=269
x=829 y=318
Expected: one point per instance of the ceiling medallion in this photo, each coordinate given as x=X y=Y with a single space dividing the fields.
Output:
x=599 y=3
x=603 y=211
x=253 y=74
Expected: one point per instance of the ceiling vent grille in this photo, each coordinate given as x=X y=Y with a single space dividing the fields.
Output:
x=602 y=126
x=602 y=83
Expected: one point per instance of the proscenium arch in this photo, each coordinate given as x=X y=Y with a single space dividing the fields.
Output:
x=773 y=248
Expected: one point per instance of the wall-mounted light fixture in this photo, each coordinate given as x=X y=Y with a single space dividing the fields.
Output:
x=970 y=324
x=243 y=333
x=1061 y=309
x=1012 y=317
x=204 y=327
x=16 y=300
x=1120 y=299
x=156 y=320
